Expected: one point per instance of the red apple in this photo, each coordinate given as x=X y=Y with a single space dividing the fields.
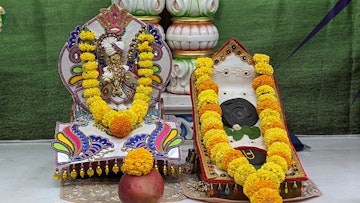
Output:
x=140 y=189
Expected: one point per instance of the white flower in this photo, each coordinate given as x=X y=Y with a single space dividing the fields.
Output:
x=236 y=127
x=107 y=76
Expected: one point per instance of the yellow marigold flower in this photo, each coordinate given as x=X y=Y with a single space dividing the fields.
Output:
x=230 y=156
x=145 y=72
x=264 y=68
x=276 y=135
x=132 y=116
x=217 y=147
x=94 y=99
x=242 y=172
x=146 y=37
x=207 y=97
x=87 y=47
x=279 y=161
x=138 y=162
x=219 y=157
x=267 y=97
x=281 y=149
x=144 y=89
x=212 y=133
x=276 y=169
x=146 y=64
x=203 y=71
x=146 y=56
x=266 y=195
x=145 y=47
x=211 y=121
x=265 y=89
x=269 y=112
x=202 y=79
x=261 y=58
x=87 y=35
x=270 y=119
x=142 y=96
x=90 y=83
x=91 y=92
x=210 y=114
x=109 y=117
x=90 y=65
x=267 y=175
x=140 y=107
x=234 y=164
x=85 y=57
x=145 y=81
x=93 y=74
x=98 y=110
x=204 y=61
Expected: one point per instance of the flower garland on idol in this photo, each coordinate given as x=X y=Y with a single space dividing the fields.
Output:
x=119 y=123
x=262 y=185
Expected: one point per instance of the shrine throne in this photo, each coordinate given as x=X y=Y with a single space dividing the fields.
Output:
x=84 y=147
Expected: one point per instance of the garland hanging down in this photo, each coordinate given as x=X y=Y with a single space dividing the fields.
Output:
x=262 y=185
x=119 y=123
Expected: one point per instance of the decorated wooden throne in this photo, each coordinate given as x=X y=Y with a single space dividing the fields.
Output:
x=240 y=129
x=115 y=67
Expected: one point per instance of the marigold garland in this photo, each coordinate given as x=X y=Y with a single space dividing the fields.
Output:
x=259 y=185
x=119 y=123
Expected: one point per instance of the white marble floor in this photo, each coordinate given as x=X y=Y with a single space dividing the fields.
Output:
x=333 y=163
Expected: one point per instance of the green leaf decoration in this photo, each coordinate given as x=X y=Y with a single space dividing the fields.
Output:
x=253 y=132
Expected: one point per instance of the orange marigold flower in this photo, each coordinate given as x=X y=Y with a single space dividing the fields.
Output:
x=229 y=156
x=219 y=157
x=213 y=141
x=267 y=126
x=267 y=104
x=210 y=107
x=211 y=126
x=262 y=80
x=120 y=127
x=209 y=84
x=249 y=190
x=266 y=195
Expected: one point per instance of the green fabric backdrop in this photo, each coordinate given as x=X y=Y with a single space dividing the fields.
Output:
x=317 y=84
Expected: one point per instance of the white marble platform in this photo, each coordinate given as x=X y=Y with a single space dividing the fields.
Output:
x=333 y=163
